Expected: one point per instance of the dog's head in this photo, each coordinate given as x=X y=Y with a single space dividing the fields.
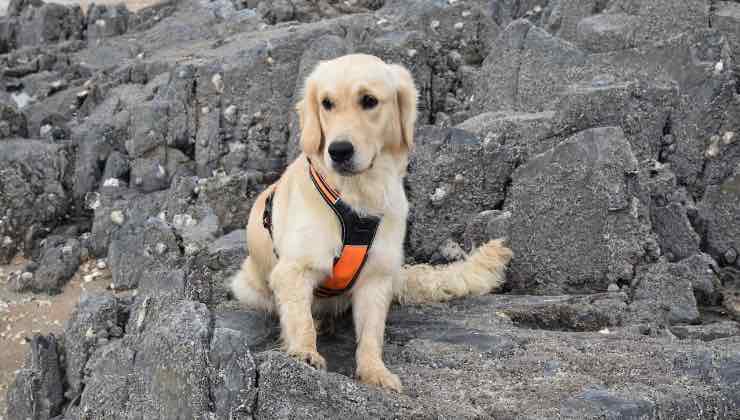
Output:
x=355 y=109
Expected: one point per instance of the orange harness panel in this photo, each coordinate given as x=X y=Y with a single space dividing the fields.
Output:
x=358 y=233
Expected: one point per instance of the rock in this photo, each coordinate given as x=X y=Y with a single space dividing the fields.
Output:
x=59 y=262
x=726 y=18
x=276 y=11
x=718 y=211
x=565 y=244
x=37 y=392
x=529 y=69
x=445 y=183
x=704 y=275
x=607 y=32
x=662 y=19
x=233 y=377
x=105 y=21
x=642 y=110
x=48 y=23
x=707 y=332
x=12 y=122
x=663 y=293
x=95 y=314
x=133 y=258
x=32 y=192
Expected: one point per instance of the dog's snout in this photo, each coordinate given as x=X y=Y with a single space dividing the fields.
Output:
x=341 y=151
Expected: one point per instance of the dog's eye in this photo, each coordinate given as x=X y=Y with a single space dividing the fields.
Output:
x=327 y=104
x=368 y=102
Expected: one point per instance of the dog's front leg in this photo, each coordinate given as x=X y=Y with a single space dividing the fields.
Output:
x=370 y=302
x=293 y=285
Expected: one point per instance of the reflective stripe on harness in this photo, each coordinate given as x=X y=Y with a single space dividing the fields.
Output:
x=358 y=233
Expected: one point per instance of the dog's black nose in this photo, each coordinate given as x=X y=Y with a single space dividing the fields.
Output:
x=341 y=151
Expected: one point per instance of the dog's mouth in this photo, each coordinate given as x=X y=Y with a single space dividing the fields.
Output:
x=350 y=169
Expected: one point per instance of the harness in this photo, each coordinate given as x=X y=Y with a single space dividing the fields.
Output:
x=358 y=233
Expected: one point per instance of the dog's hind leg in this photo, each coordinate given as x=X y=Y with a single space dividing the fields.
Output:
x=250 y=287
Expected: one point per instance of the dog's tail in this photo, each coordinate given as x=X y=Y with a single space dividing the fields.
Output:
x=480 y=273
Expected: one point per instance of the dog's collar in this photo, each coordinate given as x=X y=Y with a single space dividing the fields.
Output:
x=358 y=233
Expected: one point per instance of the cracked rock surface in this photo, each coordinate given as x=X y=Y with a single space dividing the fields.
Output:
x=601 y=138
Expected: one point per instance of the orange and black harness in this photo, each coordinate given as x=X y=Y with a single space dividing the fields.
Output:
x=358 y=233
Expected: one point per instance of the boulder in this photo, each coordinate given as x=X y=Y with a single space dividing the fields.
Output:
x=578 y=222
x=37 y=392
x=719 y=211
x=452 y=175
x=59 y=261
x=663 y=293
x=33 y=196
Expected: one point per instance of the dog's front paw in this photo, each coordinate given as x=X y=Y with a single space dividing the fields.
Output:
x=310 y=357
x=380 y=376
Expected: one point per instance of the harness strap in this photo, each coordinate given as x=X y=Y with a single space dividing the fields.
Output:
x=358 y=233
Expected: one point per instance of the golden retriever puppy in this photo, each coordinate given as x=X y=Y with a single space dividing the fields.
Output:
x=329 y=234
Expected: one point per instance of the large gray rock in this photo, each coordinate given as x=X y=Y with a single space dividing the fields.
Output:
x=663 y=293
x=97 y=319
x=529 y=67
x=452 y=175
x=719 y=211
x=59 y=261
x=578 y=222
x=726 y=18
x=37 y=392
x=33 y=197
x=48 y=23
x=142 y=253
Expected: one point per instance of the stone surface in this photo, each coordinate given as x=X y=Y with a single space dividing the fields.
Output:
x=570 y=210
x=600 y=137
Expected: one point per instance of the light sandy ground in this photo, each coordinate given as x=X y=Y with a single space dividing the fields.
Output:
x=22 y=315
x=131 y=4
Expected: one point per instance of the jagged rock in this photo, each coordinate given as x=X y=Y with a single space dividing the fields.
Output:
x=33 y=197
x=12 y=122
x=607 y=32
x=704 y=274
x=707 y=332
x=95 y=318
x=142 y=253
x=116 y=206
x=719 y=211
x=37 y=392
x=663 y=293
x=642 y=110
x=663 y=19
x=59 y=261
x=529 y=68
x=47 y=23
x=447 y=184
x=577 y=221
x=233 y=375
x=105 y=21
x=726 y=18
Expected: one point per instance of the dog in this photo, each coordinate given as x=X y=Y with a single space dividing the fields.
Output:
x=310 y=239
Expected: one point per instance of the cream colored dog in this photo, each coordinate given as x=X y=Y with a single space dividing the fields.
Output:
x=357 y=120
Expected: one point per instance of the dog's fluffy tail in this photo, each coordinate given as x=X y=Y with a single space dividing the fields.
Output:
x=480 y=273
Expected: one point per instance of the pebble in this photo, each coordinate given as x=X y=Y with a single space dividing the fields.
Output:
x=116 y=216
x=101 y=265
x=27 y=276
x=230 y=114
x=434 y=24
x=613 y=288
x=439 y=195
x=730 y=256
x=459 y=25
x=719 y=67
x=218 y=83
x=160 y=248
x=729 y=137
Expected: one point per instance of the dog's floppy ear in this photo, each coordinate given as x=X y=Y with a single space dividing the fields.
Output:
x=308 y=116
x=406 y=96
